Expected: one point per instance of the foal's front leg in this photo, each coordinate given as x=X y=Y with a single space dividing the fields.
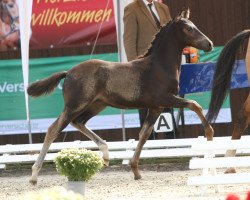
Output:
x=144 y=134
x=178 y=102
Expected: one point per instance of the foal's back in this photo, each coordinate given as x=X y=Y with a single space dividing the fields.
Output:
x=112 y=82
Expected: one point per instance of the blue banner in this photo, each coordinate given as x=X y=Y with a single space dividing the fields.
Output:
x=199 y=77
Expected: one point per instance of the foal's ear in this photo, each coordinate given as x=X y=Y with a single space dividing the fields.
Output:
x=185 y=13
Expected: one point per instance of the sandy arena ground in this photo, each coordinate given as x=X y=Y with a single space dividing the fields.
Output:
x=159 y=182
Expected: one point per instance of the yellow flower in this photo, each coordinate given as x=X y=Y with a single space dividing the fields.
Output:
x=56 y=193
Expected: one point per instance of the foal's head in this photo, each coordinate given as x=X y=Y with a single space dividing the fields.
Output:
x=187 y=32
x=179 y=32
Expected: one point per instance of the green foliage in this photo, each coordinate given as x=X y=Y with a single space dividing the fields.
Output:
x=78 y=164
x=56 y=193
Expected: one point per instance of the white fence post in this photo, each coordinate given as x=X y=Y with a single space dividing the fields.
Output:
x=210 y=162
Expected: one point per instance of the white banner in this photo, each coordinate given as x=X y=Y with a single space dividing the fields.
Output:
x=101 y=122
x=41 y=125
x=191 y=117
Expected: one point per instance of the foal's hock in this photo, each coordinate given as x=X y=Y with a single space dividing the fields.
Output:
x=151 y=81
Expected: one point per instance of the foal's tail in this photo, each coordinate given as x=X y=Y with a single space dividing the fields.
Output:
x=45 y=86
x=223 y=72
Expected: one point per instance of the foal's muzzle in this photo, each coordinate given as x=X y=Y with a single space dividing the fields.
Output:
x=208 y=46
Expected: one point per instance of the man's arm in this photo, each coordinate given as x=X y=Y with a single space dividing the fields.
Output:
x=130 y=34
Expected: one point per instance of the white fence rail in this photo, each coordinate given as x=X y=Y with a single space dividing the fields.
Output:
x=208 y=164
x=28 y=153
x=124 y=150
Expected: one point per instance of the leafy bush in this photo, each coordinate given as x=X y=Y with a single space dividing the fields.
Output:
x=78 y=164
x=56 y=193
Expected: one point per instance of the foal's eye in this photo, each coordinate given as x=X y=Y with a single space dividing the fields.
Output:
x=189 y=28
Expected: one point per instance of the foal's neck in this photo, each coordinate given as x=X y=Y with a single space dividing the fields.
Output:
x=169 y=53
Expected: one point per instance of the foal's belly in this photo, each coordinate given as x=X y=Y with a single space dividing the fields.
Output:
x=118 y=101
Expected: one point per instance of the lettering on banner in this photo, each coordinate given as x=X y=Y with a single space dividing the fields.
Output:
x=56 y=16
x=58 y=1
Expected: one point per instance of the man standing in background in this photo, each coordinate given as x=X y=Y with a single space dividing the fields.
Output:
x=142 y=20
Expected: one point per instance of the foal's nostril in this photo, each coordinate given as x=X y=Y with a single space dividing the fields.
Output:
x=210 y=45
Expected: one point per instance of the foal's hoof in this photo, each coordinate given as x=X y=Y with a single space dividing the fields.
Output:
x=106 y=162
x=137 y=177
x=230 y=170
x=33 y=182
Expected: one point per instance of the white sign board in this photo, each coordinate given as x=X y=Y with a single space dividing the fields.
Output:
x=164 y=123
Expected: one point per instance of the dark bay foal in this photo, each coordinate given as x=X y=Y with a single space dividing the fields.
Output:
x=151 y=81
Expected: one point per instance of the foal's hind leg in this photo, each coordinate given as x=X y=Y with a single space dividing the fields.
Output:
x=143 y=136
x=178 y=102
x=80 y=122
x=241 y=122
x=61 y=122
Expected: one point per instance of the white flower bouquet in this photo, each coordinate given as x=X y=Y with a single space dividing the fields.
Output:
x=78 y=164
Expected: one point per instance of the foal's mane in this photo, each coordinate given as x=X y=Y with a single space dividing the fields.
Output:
x=156 y=42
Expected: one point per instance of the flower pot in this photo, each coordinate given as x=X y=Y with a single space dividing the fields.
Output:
x=76 y=186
